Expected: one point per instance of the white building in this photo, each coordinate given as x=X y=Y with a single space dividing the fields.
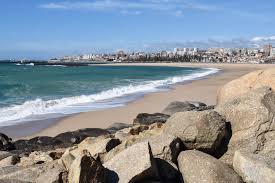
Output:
x=272 y=52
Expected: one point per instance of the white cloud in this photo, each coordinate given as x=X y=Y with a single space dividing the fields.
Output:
x=174 y=7
x=262 y=38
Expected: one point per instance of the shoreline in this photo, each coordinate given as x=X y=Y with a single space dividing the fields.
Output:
x=149 y=103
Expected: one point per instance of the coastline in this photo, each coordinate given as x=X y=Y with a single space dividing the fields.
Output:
x=150 y=103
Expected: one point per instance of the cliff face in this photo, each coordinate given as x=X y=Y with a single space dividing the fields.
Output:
x=231 y=142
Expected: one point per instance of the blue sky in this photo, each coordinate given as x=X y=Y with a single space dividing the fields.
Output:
x=42 y=29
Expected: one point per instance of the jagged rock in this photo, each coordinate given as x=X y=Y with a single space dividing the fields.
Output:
x=118 y=126
x=62 y=140
x=9 y=161
x=76 y=137
x=254 y=168
x=202 y=130
x=165 y=149
x=44 y=173
x=5 y=143
x=147 y=119
x=43 y=143
x=128 y=139
x=35 y=158
x=197 y=104
x=177 y=106
x=97 y=147
x=67 y=158
x=86 y=169
x=134 y=164
x=242 y=85
x=4 y=154
x=252 y=118
x=196 y=166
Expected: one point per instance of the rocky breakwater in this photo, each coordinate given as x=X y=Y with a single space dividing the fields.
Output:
x=188 y=142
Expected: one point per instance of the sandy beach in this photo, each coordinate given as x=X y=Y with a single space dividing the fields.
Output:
x=203 y=90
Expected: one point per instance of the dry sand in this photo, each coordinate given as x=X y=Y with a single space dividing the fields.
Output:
x=203 y=90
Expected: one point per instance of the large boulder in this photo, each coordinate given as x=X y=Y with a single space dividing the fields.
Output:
x=86 y=169
x=196 y=166
x=254 y=167
x=35 y=158
x=97 y=147
x=246 y=83
x=202 y=130
x=177 y=106
x=117 y=126
x=44 y=173
x=9 y=161
x=252 y=118
x=5 y=143
x=134 y=164
x=62 y=140
x=147 y=119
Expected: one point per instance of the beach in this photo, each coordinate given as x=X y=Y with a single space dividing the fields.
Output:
x=203 y=90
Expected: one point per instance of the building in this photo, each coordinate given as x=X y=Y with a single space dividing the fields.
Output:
x=267 y=50
x=272 y=52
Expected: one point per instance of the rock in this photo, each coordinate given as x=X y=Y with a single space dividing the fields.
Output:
x=242 y=85
x=62 y=140
x=118 y=126
x=196 y=166
x=4 y=154
x=35 y=158
x=67 y=158
x=55 y=173
x=43 y=143
x=9 y=161
x=134 y=164
x=86 y=169
x=177 y=106
x=76 y=137
x=252 y=120
x=44 y=173
x=196 y=104
x=165 y=149
x=147 y=119
x=202 y=130
x=254 y=168
x=128 y=139
x=97 y=147
x=5 y=143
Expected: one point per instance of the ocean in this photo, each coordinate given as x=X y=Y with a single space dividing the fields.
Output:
x=30 y=93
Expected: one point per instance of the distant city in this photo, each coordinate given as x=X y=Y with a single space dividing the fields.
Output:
x=266 y=54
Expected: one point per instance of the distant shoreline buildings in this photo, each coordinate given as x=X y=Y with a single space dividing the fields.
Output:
x=211 y=55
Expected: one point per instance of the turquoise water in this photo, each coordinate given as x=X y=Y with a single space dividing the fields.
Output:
x=30 y=92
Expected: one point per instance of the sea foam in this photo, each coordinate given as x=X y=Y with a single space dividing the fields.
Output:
x=69 y=105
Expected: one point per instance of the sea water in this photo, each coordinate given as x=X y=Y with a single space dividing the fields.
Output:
x=29 y=92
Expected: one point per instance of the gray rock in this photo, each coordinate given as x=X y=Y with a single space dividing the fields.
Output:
x=4 y=154
x=97 y=147
x=86 y=169
x=254 y=168
x=197 y=167
x=148 y=119
x=117 y=126
x=5 y=143
x=134 y=164
x=202 y=130
x=177 y=106
x=35 y=158
x=9 y=161
x=252 y=118
x=33 y=174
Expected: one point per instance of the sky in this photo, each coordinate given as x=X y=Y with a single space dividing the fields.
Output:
x=43 y=29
